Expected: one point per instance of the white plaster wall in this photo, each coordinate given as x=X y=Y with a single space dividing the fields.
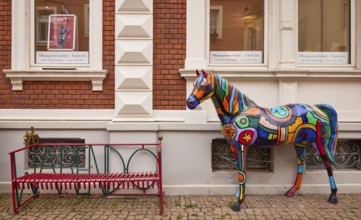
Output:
x=186 y=153
x=342 y=94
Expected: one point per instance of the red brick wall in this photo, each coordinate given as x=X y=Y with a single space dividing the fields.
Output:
x=57 y=95
x=5 y=51
x=169 y=54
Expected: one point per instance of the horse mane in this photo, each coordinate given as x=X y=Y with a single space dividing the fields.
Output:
x=229 y=99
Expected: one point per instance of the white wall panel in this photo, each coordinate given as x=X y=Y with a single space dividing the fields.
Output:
x=133 y=77
x=134 y=26
x=343 y=95
x=133 y=52
x=133 y=103
x=134 y=5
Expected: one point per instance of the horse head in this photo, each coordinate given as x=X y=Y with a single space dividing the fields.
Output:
x=203 y=89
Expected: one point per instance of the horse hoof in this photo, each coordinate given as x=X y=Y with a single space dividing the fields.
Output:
x=333 y=199
x=290 y=194
x=236 y=207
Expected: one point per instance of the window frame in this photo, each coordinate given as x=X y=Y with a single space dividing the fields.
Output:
x=23 y=49
x=240 y=65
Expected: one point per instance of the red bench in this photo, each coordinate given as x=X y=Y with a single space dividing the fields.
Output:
x=47 y=171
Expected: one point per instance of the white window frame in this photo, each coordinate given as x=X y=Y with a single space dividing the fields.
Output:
x=22 y=68
x=240 y=65
x=197 y=53
x=353 y=44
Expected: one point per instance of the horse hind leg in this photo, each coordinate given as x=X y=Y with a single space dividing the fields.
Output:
x=332 y=198
x=301 y=159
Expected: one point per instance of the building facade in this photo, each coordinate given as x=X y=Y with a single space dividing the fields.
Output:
x=114 y=71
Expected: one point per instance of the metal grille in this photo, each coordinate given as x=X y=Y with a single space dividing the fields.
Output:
x=348 y=156
x=222 y=157
x=51 y=157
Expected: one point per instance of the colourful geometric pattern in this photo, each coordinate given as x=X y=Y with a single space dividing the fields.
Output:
x=245 y=124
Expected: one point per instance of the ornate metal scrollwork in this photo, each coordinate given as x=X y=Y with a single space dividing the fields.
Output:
x=222 y=157
x=50 y=156
x=53 y=156
x=348 y=156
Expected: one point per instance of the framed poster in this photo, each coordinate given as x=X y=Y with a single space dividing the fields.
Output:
x=62 y=32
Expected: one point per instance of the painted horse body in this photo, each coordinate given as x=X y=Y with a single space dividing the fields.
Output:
x=245 y=124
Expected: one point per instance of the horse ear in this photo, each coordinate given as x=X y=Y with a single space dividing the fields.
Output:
x=204 y=73
x=197 y=72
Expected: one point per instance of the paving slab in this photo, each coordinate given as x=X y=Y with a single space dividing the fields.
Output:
x=310 y=206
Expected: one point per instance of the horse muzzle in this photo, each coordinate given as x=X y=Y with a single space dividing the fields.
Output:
x=192 y=103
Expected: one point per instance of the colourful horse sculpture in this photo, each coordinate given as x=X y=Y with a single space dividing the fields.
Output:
x=245 y=124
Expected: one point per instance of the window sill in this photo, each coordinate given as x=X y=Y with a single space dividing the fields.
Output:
x=189 y=74
x=17 y=77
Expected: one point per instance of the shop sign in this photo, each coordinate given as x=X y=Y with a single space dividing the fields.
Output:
x=323 y=58
x=236 y=57
x=62 y=57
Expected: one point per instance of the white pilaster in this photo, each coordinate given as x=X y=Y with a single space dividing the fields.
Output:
x=20 y=35
x=358 y=34
x=287 y=92
x=288 y=34
x=133 y=60
x=196 y=34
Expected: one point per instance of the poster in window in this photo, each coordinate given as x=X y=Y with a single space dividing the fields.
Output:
x=62 y=32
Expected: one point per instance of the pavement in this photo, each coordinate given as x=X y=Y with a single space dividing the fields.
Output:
x=307 y=206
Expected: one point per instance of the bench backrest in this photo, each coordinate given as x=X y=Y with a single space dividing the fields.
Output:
x=89 y=158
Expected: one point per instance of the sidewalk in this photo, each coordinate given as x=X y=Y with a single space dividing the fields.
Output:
x=186 y=207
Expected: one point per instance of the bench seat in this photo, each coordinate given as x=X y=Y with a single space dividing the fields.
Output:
x=97 y=180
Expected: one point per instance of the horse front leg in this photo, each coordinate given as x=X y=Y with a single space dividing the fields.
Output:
x=241 y=168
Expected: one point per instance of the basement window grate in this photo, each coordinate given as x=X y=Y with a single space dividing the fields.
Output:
x=348 y=156
x=222 y=157
x=49 y=156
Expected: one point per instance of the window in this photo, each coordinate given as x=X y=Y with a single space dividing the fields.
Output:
x=35 y=58
x=59 y=25
x=236 y=32
x=324 y=32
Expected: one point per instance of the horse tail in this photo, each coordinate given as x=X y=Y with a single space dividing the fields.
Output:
x=332 y=133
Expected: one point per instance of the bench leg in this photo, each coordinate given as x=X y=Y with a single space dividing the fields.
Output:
x=160 y=186
x=14 y=195
x=17 y=198
x=161 y=202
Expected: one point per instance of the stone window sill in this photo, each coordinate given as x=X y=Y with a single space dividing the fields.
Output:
x=17 y=77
